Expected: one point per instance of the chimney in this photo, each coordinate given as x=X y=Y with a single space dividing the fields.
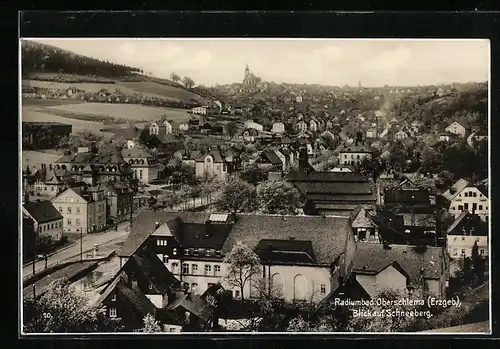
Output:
x=208 y=228
x=50 y=166
x=157 y=225
x=303 y=158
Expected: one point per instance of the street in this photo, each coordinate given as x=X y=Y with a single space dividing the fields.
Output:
x=74 y=251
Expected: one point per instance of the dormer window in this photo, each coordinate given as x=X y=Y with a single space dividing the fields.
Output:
x=113 y=297
x=218 y=253
x=196 y=252
x=174 y=251
x=186 y=252
x=208 y=253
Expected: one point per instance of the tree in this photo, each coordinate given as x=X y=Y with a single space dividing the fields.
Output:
x=150 y=325
x=64 y=309
x=174 y=77
x=243 y=264
x=172 y=200
x=372 y=167
x=255 y=174
x=188 y=82
x=279 y=197
x=231 y=129
x=195 y=193
x=237 y=195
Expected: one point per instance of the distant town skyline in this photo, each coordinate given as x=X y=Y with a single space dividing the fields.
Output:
x=324 y=62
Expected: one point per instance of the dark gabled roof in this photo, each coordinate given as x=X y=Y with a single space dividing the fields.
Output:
x=287 y=251
x=335 y=188
x=194 y=305
x=271 y=157
x=136 y=153
x=455 y=189
x=77 y=158
x=136 y=298
x=373 y=258
x=192 y=235
x=466 y=219
x=43 y=211
x=167 y=138
x=314 y=176
x=152 y=268
x=215 y=153
x=327 y=234
x=405 y=196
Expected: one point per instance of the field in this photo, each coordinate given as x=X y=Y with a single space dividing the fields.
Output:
x=146 y=88
x=35 y=158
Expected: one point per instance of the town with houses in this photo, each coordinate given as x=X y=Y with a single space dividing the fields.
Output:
x=248 y=207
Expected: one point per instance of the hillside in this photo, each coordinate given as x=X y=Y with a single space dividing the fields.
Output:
x=45 y=66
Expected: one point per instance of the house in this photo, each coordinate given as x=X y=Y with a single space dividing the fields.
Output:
x=371 y=133
x=249 y=124
x=474 y=138
x=200 y=110
x=400 y=135
x=304 y=257
x=188 y=157
x=419 y=225
x=106 y=167
x=365 y=229
x=415 y=127
x=446 y=136
x=464 y=196
x=47 y=221
x=160 y=127
x=407 y=197
x=270 y=159
x=301 y=126
x=401 y=268
x=249 y=134
x=119 y=197
x=43 y=135
x=298 y=99
x=314 y=125
x=143 y=286
x=183 y=127
x=353 y=154
x=278 y=128
x=50 y=181
x=83 y=209
x=215 y=163
x=142 y=163
x=466 y=230
x=457 y=129
x=331 y=193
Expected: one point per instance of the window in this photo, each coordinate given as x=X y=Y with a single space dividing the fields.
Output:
x=99 y=219
x=463 y=238
x=218 y=253
x=195 y=252
x=140 y=174
x=208 y=269
x=77 y=222
x=474 y=194
x=185 y=286
x=174 y=251
x=236 y=294
x=60 y=209
x=463 y=251
x=45 y=188
x=455 y=252
x=78 y=210
x=466 y=194
x=194 y=268
x=460 y=208
x=171 y=329
x=217 y=270
x=175 y=268
x=466 y=206
x=52 y=188
x=69 y=221
x=480 y=195
x=208 y=253
x=210 y=285
x=480 y=207
x=459 y=195
x=161 y=242
x=69 y=210
x=323 y=289
x=185 y=268
x=186 y=251
x=112 y=312
x=113 y=297
x=481 y=252
x=453 y=207
x=470 y=193
x=52 y=226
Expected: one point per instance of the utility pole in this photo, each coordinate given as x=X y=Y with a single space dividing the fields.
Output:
x=81 y=245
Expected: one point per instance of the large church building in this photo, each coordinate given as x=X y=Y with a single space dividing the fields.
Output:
x=250 y=80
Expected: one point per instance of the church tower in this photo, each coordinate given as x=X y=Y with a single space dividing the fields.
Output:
x=247 y=71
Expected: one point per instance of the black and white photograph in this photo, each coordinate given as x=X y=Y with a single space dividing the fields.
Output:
x=225 y=186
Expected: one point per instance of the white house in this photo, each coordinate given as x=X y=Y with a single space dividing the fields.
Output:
x=298 y=99
x=130 y=144
x=400 y=135
x=457 y=129
x=301 y=126
x=200 y=110
x=313 y=125
x=278 y=128
x=47 y=220
x=254 y=125
x=183 y=127
x=371 y=133
x=160 y=127
x=353 y=154
x=463 y=234
x=464 y=196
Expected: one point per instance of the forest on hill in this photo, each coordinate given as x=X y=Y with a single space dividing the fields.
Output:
x=37 y=57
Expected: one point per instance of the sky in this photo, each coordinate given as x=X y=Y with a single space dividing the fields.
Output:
x=326 y=62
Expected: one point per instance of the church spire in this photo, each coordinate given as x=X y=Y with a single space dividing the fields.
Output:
x=247 y=70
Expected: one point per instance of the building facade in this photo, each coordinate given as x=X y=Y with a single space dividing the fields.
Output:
x=47 y=221
x=143 y=164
